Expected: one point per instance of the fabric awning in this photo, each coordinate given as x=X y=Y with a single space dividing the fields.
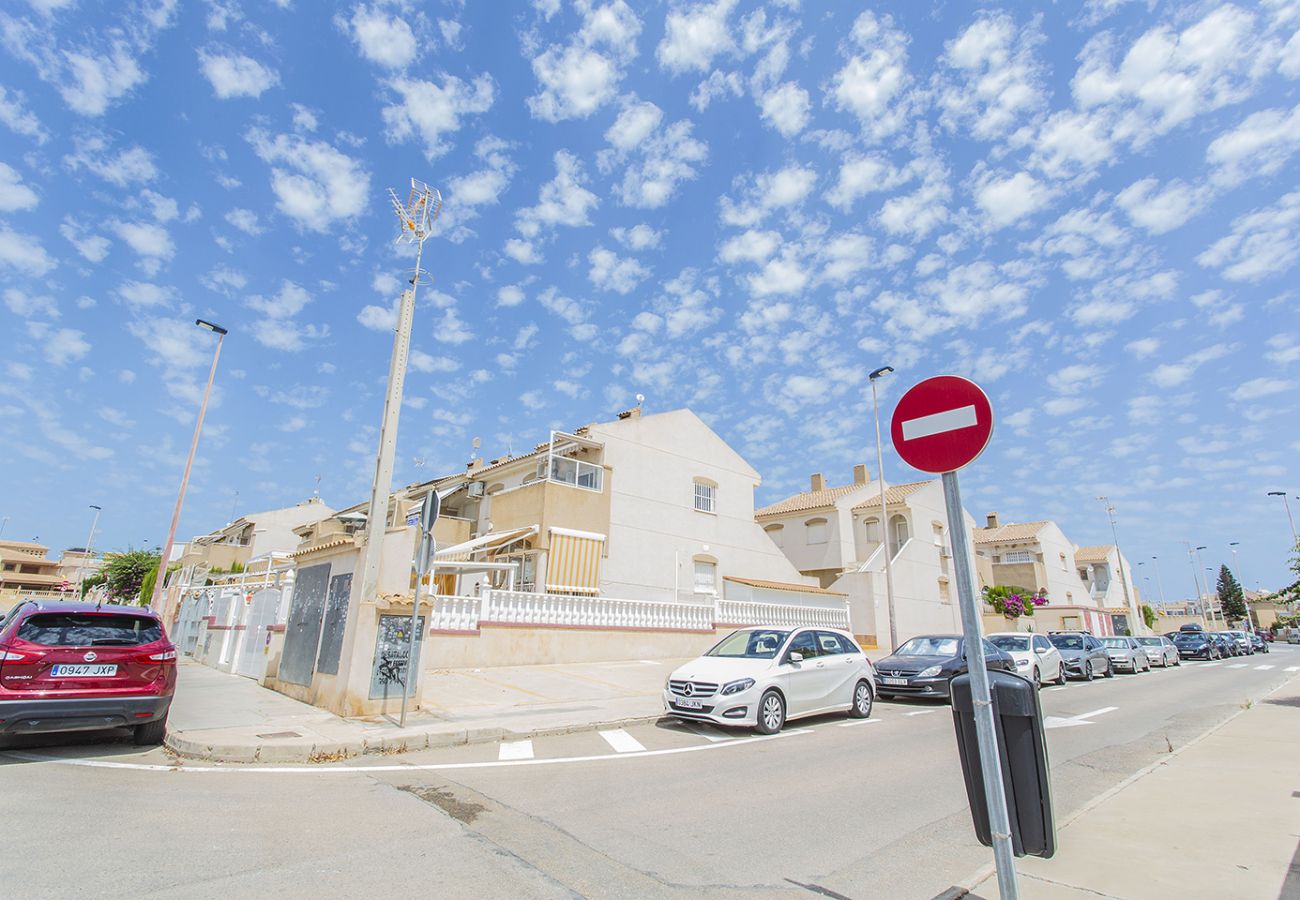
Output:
x=573 y=562
x=462 y=551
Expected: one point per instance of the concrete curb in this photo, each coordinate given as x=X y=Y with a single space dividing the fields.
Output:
x=327 y=751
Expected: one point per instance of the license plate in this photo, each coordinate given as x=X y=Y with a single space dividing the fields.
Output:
x=895 y=681
x=687 y=703
x=80 y=670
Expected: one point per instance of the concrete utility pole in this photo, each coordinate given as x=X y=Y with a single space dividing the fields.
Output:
x=189 y=464
x=85 y=560
x=884 y=512
x=416 y=215
x=1196 y=583
x=1119 y=558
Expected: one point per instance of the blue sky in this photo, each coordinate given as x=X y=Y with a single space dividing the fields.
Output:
x=742 y=208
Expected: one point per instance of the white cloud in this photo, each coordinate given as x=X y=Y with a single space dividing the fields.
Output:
x=314 y=184
x=14 y=195
x=451 y=329
x=872 y=84
x=91 y=246
x=768 y=191
x=609 y=271
x=638 y=237
x=1260 y=145
x=510 y=295
x=996 y=81
x=98 y=80
x=1260 y=387
x=27 y=306
x=1174 y=374
x=144 y=294
x=59 y=346
x=561 y=201
x=1163 y=210
x=15 y=115
x=694 y=34
x=920 y=212
x=1262 y=243
x=383 y=39
x=379 y=318
x=434 y=111
x=236 y=75
x=290 y=300
x=578 y=78
x=786 y=108
x=751 y=246
x=131 y=166
x=862 y=175
x=636 y=122
x=23 y=252
x=1143 y=347
x=245 y=220
x=1007 y=200
x=149 y=240
x=522 y=252
x=663 y=161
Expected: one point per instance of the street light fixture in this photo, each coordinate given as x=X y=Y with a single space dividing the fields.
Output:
x=1287 y=504
x=189 y=463
x=85 y=560
x=884 y=513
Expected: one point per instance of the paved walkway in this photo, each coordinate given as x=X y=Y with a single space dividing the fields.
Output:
x=218 y=716
x=1220 y=818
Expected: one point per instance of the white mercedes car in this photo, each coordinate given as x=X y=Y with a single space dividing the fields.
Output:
x=1035 y=657
x=760 y=677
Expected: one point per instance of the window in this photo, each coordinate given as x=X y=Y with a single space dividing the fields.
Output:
x=1018 y=556
x=760 y=643
x=872 y=528
x=706 y=496
x=1041 y=643
x=805 y=643
x=898 y=533
x=816 y=531
x=777 y=534
x=89 y=630
x=706 y=577
x=574 y=471
x=831 y=644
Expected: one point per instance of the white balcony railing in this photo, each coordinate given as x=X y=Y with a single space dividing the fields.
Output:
x=454 y=613
x=747 y=612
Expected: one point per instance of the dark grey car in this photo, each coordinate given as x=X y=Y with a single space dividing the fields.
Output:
x=1084 y=655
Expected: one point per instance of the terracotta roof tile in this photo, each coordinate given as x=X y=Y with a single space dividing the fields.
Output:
x=1012 y=532
x=808 y=500
x=782 y=586
x=896 y=493
x=1093 y=554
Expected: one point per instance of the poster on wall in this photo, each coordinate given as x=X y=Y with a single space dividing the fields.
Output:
x=388 y=674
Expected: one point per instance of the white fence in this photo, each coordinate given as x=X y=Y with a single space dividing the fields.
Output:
x=525 y=608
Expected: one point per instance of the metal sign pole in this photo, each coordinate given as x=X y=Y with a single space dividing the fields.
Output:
x=990 y=760
x=422 y=564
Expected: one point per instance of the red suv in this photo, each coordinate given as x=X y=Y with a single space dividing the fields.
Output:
x=80 y=667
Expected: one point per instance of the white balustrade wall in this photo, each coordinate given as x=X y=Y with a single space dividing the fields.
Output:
x=451 y=613
x=746 y=612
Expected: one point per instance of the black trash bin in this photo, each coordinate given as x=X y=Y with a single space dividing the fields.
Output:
x=1022 y=748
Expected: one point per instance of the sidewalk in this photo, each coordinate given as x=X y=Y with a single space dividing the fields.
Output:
x=217 y=716
x=1220 y=818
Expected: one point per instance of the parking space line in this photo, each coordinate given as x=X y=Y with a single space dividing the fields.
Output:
x=920 y=712
x=711 y=738
x=1238 y=665
x=621 y=741
x=516 y=750
x=1209 y=665
x=1061 y=688
x=1292 y=669
x=1262 y=668
x=857 y=722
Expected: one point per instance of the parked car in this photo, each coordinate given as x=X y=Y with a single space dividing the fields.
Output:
x=1160 y=651
x=1084 y=655
x=1260 y=645
x=1198 y=645
x=762 y=677
x=923 y=666
x=81 y=667
x=1242 y=640
x=1227 y=646
x=1293 y=637
x=1126 y=653
x=1035 y=657
x=1265 y=635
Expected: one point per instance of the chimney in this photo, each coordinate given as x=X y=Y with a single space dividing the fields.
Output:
x=819 y=482
x=860 y=474
x=992 y=520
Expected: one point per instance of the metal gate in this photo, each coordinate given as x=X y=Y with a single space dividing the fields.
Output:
x=193 y=610
x=302 y=632
x=251 y=660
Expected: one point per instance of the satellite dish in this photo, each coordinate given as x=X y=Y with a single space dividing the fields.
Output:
x=640 y=398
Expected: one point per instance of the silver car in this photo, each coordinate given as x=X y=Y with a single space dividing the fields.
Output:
x=1160 y=651
x=1126 y=654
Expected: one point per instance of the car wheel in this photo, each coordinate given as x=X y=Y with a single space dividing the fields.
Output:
x=861 y=701
x=1110 y=669
x=150 y=733
x=1087 y=671
x=1038 y=679
x=771 y=713
x=1060 y=674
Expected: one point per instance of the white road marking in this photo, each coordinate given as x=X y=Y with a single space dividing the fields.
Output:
x=621 y=741
x=1262 y=668
x=516 y=750
x=1209 y=665
x=1081 y=719
x=1238 y=665
x=711 y=738
x=939 y=423
x=405 y=767
x=1061 y=688
x=920 y=712
x=857 y=722
x=1292 y=669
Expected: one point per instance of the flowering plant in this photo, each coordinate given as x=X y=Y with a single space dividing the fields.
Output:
x=1014 y=602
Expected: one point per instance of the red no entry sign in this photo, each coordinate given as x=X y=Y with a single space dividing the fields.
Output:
x=942 y=424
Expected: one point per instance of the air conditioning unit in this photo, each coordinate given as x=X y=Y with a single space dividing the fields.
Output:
x=474 y=489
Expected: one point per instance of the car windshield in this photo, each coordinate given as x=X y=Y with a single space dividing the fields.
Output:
x=760 y=643
x=928 y=646
x=89 y=630
x=1149 y=641
x=1066 y=641
x=1190 y=637
x=1010 y=642
x=1118 y=643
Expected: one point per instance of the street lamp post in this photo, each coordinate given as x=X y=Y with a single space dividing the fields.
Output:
x=189 y=463
x=1287 y=504
x=1206 y=590
x=85 y=560
x=1159 y=585
x=1119 y=556
x=884 y=513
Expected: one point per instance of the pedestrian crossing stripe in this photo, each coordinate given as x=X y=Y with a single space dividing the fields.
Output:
x=1262 y=668
x=516 y=750
x=621 y=741
x=1238 y=666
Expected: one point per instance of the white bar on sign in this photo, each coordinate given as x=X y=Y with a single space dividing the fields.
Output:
x=938 y=423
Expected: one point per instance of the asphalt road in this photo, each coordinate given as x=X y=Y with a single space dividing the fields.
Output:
x=831 y=807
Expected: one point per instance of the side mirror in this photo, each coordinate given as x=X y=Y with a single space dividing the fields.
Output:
x=796 y=656
x=1040 y=651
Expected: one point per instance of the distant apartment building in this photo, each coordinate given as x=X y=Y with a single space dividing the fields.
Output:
x=26 y=572
x=1109 y=576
